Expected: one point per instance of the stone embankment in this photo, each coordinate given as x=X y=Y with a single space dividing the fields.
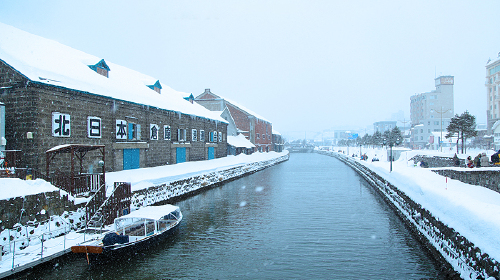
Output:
x=453 y=251
x=179 y=189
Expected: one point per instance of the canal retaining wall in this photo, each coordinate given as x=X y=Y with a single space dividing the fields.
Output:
x=179 y=189
x=454 y=252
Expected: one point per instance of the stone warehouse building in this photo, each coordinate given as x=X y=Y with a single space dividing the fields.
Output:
x=57 y=95
x=255 y=128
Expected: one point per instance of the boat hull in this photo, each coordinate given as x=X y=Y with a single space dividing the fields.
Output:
x=102 y=254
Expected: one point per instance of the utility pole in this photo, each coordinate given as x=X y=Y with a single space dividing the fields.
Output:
x=441 y=139
x=404 y=129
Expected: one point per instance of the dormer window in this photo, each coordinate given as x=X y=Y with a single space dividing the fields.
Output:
x=190 y=98
x=156 y=87
x=101 y=68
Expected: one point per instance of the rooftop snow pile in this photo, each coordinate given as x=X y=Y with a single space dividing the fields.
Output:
x=49 y=62
x=240 y=141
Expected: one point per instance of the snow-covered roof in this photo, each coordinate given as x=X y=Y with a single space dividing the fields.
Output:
x=246 y=110
x=276 y=132
x=49 y=62
x=151 y=212
x=240 y=141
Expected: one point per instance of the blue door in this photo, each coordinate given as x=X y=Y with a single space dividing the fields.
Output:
x=211 y=152
x=181 y=155
x=131 y=159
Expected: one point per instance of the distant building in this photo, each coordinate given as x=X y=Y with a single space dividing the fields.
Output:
x=384 y=125
x=278 y=142
x=492 y=92
x=431 y=112
x=257 y=129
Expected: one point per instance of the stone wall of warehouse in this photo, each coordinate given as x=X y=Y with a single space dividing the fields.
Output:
x=37 y=207
x=452 y=250
x=31 y=106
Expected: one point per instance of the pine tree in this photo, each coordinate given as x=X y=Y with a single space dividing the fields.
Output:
x=468 y=127
x=463 y=126
x=377 y=138
x=396 y=136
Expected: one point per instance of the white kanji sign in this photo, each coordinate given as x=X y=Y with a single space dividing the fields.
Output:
x=61 y=125
x=121 y=129
x=167 y=132
x=153 y=131
x=94 y=127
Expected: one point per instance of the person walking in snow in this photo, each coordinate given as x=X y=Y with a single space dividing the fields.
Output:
x=485 y=162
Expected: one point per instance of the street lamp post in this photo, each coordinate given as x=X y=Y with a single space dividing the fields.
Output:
x=391 y=142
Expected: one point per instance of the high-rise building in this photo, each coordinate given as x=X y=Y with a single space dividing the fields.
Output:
x=431 y=112
x=492 y=88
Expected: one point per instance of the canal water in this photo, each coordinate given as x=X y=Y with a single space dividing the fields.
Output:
x=311 y=217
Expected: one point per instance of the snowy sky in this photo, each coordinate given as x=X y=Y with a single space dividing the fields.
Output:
x=304 y=65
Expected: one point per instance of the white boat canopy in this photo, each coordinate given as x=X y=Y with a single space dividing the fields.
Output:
x=151 y=212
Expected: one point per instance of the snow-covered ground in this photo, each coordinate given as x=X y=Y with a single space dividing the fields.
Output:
x=471 y=210
x=13 y=187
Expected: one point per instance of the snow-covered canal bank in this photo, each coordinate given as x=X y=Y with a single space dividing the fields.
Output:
x=460 y=221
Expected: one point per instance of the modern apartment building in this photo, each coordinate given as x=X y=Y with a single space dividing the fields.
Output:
x=431 y=112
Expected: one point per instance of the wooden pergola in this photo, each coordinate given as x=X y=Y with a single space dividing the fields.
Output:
x=76 y=183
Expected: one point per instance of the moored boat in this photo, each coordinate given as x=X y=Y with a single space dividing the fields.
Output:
x=132 y=232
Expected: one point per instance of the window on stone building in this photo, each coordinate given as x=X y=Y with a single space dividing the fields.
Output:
x=134 y=131
x=194 y=135
x=258 y=136
x=220 y=136
x=202 y=135
x=215 y=136
x=181 y=134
